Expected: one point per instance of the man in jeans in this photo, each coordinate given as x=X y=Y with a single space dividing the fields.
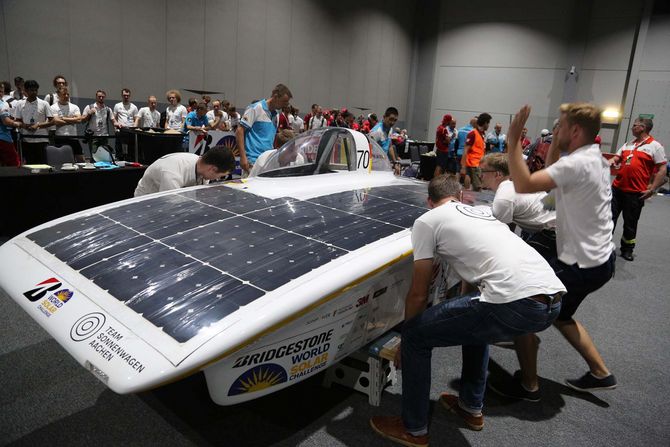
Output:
x=508 y=290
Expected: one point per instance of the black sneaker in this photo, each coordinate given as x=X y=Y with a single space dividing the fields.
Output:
x=511 y=387
x=588 y=382
x=627 y=254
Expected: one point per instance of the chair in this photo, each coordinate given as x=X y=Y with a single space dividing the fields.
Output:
x=57 y=155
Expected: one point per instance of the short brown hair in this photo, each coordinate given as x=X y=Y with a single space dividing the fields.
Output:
x=443 y=186
x=174 y=93
x=281 y=90
x=646 y=122
x=584 y=115
x=498 y=162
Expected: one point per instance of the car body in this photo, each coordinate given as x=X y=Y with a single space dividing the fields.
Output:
x=259 y=283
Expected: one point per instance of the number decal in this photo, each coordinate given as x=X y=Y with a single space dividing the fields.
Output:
x=363 y=159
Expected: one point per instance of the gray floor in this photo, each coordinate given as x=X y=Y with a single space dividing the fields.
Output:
x=48 y=399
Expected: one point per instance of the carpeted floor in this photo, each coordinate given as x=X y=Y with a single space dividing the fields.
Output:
x=46 y=399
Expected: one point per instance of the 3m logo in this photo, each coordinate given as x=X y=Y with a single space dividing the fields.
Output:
x=42 y=289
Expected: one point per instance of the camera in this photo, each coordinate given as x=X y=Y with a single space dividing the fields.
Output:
x=572 y=70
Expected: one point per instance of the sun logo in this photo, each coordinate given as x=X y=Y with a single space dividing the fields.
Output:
x=230 y=142
x=258 y=378
x=64 y=295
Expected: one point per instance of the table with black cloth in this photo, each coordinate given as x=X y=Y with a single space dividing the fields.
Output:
x=30 y=199
x=152 y=145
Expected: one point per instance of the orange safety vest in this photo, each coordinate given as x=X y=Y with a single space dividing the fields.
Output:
x=476 y=152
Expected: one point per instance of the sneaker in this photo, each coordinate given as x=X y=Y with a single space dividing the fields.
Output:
x=511 y=387
x=391 y=427
x=588 y=382
x=450 y=402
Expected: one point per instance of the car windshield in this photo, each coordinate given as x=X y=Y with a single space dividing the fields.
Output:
x=300 y=151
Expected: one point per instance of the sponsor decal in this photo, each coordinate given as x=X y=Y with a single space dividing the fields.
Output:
x=309 y=344
x=344 y=309
x=294 y=360
x=379 y=292
x=105 y=343
x=42 y=289
x=86 y=326
x=362 y=301
x=258 y=378
x=49 y=303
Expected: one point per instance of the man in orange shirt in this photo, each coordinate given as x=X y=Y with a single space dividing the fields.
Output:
x=475 y=148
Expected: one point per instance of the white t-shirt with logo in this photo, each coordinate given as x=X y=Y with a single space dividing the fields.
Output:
x=583 y=207
x=484 y=252
x=32 y=113
x=100 y=122
x=175 y=117
x=149 y=118
x=67 y=110
x=525 y=210
x=125 y=114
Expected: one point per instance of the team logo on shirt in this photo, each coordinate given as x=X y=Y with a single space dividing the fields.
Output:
x=476 y=212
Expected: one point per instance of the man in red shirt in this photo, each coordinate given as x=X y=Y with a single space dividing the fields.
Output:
x=633 y=183
x=525 y=141
x=443 y=137
x=475 y=148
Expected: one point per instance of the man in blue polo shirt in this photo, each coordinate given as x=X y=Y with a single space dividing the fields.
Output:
x=258 y=126
x=381 y=133
x=196 y=122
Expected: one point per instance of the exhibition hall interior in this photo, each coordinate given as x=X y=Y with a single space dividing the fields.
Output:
x=334 y=223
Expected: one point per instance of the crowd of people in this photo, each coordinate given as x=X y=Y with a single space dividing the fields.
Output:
x=34 y=118
x=556 y=189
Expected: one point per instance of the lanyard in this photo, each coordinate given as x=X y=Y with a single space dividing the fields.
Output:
x=641 y=143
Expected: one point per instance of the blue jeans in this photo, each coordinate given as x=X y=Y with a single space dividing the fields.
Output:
x=473 y=324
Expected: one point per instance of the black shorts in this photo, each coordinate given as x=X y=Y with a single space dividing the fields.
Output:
x=580 y=282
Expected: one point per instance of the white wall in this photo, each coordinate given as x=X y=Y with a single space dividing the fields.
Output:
x=495 y=56
x=341 y=55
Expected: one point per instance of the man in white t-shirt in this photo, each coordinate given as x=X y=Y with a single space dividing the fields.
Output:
x=538 y=224
x=125 y=113
x=298 y=124
x=148 y=116
x=217 y=117
x=515 y=292
x=317 y=120
x=99 y=120
x=66 y=118
x=35 y=117
x=580 y=181
x=175 y=114
x=183 y=169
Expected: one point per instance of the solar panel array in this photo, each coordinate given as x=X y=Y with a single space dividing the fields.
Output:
x=186 y=260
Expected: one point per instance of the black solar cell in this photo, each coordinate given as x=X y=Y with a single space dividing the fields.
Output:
x=186 y=260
